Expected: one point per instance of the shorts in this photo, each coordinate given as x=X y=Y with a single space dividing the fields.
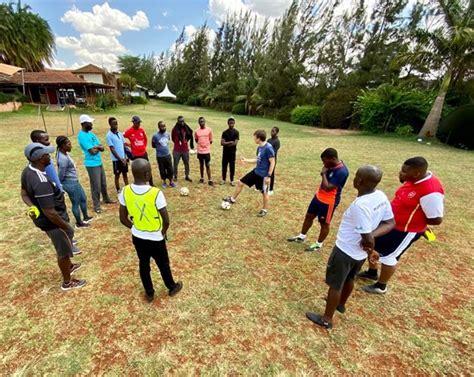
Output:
x=119 y=168
x=253 y=179
x=341 y=268
x=61 y=241
x=392 y=245
x=204 y=158
x=322 y=210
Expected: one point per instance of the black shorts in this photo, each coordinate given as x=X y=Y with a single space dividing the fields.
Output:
x=204 y=158
x=119 y=168
x=341 y=268
x=61 y=241
x=253 y=179
x=322 y=210
x=392 y=245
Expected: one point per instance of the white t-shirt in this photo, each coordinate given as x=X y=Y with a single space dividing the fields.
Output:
x=160 y=203
x=363 y=216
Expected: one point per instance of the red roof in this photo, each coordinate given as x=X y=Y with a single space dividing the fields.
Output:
x=89 y=68
x=54 y=77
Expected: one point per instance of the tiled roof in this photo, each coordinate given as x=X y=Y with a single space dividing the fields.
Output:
x=89 y=68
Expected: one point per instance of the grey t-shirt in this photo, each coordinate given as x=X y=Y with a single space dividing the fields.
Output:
x=66 y=168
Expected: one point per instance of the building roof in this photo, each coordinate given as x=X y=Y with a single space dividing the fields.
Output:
x=54 y=77
x=8 y=69
x=89 y=68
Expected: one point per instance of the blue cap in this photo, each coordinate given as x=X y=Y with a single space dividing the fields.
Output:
x=136 y=119
x=35 y=151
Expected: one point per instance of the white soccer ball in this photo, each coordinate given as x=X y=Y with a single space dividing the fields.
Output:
x=225 y=205
x=184 y=191
x=420 y=140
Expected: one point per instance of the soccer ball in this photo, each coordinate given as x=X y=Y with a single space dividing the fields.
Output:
x=184 y=191
x=225 y=205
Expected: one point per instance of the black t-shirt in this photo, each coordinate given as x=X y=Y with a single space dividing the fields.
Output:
x=43 y=192
x=230 y=135
x=275 y=143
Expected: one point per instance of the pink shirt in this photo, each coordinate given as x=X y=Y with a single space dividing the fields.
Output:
x=203 y=137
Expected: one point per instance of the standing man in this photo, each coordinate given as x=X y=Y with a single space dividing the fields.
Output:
x=419 y=202
x=333 y=178
x=203 y=137
x=138 y=141
x=274 y=141
x=229 y=140
x=92 y=148
x=370 y=212
x=160 y=141
x=143 y=210
x=181 y=134
x=116 y=143
x=38 y=189
x=260 y=176
x=39 y=136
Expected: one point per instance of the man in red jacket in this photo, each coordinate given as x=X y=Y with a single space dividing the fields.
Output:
x=138 y=140
x=419 y=202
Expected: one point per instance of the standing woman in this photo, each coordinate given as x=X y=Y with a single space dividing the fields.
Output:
x=70 y=181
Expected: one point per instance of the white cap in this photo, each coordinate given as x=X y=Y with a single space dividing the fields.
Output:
x=85 y=118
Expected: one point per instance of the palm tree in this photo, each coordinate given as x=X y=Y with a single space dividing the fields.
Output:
x=128 y=82
x=452 y=41
x=26 y=40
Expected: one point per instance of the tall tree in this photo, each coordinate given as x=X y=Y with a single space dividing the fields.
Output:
x=450 y=45
x=26 y=40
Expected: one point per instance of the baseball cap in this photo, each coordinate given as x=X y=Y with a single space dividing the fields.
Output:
x=35 y=151
x=136 y=119
x=85 y=118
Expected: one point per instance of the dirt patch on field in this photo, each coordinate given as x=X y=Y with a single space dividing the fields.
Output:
x=331 y=132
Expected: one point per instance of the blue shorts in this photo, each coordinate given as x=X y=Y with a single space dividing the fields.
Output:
x=324 y=211
x=392 y=245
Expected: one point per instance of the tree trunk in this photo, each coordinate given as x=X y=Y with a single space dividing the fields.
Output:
x=432 y=121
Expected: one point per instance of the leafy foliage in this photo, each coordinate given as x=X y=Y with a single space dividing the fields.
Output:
x=308 y=115
x=26 y=39
x=12 y=97
x=239 y=109
x=139 y=100
x=106 y=101
x=337 y=110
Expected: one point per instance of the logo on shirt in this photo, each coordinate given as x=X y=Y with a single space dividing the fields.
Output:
x=412 y=194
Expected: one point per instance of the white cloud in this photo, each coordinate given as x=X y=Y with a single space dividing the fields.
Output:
x=219 y=9
x=174 y=28
x=99 y=31
x=164 y=14
x=160 y=27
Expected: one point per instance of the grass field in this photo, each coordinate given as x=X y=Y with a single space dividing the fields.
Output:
x=246 y=290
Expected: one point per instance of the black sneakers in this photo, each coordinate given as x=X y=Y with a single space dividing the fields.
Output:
x=318 y=320
x=73 y=284
x=367 y=275
x=176 y=289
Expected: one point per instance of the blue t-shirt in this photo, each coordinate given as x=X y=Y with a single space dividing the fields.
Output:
x=51 y=172
x=88 y=140
x=263 y=163
x=117 y=141
x=161 y=142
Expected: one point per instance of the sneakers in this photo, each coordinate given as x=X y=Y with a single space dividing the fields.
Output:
x=341 y=309
x=262 y=213
x=210 y=183
x=98 y=210
x=164 y=185
x=188 y=179
x=270 y=193
x=201 y=180
x=75 y=242
x=176 y=289
x=172 y=184
x=75 y=250
x=87 y=219
x=367 y=275
x=314 y=247
x=73 y=284
x=296 y=239
x=318 y=320
x=373 y=288
x=82 y=224
x=229 y=199
x=232 y=183
x=222 y=183
x=110 y=201
x=75 y=267
x=150 y=297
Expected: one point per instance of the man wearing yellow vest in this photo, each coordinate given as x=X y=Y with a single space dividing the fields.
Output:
x=143 y=210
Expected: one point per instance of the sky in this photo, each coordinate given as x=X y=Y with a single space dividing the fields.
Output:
x=92 y=31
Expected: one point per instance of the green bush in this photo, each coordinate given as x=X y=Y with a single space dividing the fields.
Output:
x=139 y=100
x=239 y=109
x=337 y=110
x=284 y=114
x=308 y=115
x=404 y=131
x=106 y=101
x=194 y=100
x=12 y=97
x=457 y=129
x=387 y=107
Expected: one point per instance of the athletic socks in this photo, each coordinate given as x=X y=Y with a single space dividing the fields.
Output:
x=372 y=272
x=302 y=236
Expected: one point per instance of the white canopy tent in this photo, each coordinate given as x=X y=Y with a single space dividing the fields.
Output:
x=166 y=93
x=10 y=70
